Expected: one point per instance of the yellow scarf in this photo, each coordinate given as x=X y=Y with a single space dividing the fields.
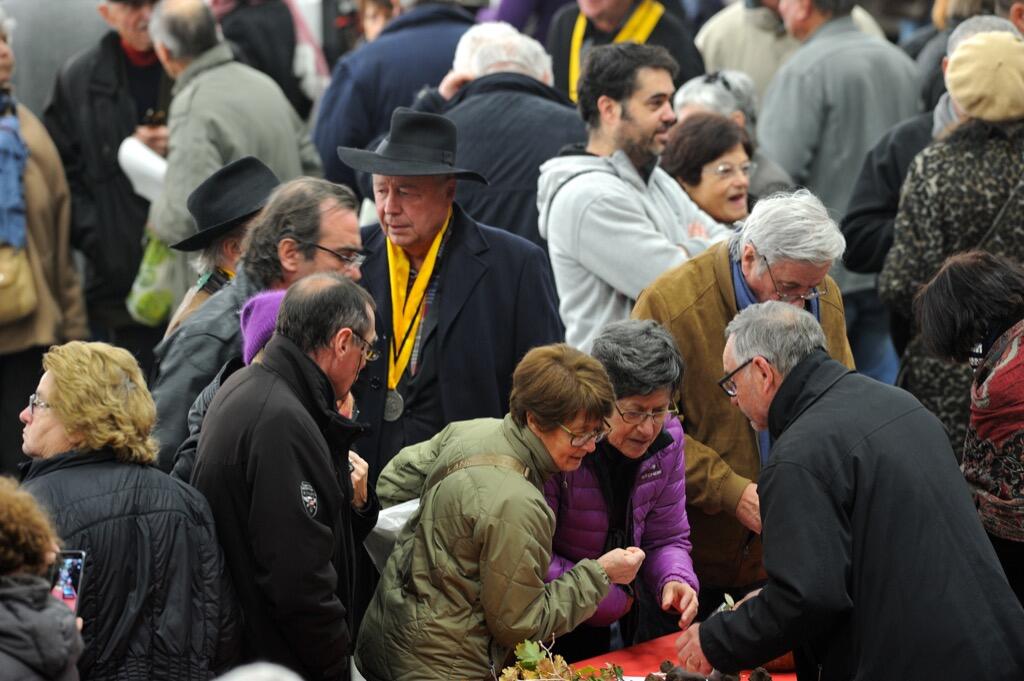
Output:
x=405 y=318
x=638 y=29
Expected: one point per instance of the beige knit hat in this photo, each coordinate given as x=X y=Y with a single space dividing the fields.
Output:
x=985 y=77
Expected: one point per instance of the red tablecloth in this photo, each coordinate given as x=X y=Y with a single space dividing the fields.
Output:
x=644 y=658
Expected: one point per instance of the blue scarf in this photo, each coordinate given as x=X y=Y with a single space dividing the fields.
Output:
x=13 y=155
x=744 y=299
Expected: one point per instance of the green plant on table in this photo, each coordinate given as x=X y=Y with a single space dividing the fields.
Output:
x=534 y=660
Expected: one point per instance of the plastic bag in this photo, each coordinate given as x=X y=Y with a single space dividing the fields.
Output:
x=390 y=521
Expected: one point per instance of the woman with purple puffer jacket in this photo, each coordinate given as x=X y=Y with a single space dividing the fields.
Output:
x=630 y=492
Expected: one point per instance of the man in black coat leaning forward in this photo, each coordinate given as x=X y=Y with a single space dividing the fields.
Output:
x=273 y=461
x=878 y=567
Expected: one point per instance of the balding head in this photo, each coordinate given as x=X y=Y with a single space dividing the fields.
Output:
x=182 y=30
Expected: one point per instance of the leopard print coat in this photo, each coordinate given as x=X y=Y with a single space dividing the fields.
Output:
x=952 y=194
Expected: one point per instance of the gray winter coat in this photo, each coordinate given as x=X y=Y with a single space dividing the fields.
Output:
x=38 y=637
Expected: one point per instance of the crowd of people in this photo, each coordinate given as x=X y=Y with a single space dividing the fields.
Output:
x=652 y=317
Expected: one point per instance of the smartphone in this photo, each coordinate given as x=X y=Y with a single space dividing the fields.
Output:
x=68 y=572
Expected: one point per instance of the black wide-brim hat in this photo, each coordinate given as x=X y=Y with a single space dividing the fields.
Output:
x=418 y=144
x=227 y=198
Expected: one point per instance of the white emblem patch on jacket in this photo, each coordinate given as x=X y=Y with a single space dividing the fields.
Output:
x=309 y=499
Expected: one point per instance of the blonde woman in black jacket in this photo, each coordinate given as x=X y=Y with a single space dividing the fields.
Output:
x=157 y=604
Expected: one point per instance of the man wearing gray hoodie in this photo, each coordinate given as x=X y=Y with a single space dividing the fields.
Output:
x=613 y=219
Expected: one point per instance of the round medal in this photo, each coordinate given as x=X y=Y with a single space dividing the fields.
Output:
x=394 y=405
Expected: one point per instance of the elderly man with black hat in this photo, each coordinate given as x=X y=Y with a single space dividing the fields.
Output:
x=459 y=303
x=222 y=206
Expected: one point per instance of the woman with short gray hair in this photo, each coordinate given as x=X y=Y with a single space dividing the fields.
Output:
x=631 y=492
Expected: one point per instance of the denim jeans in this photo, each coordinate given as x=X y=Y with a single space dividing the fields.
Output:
x=867 y=326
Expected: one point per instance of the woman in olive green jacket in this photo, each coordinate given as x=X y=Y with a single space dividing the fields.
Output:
x=465 y=582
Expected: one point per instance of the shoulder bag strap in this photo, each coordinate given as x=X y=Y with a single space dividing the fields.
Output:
x=1014 y=193
x=499 y=460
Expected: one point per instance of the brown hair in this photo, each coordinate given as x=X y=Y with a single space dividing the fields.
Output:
x=557 y=382
x=698 y=140
x=974 y=295
x=26 y=534
x=102 y=399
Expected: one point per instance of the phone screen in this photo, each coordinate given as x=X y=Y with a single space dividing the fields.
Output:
x=68 y=573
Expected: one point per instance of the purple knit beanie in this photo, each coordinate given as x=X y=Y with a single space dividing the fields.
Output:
x=259 y=317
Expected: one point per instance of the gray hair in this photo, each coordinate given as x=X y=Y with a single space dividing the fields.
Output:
x=186 y=28
x=794 y=227
x=496 y=47
x=985 y=23
x=212 y=256
x=723 y=92
x=783 y=334
x=640 y=357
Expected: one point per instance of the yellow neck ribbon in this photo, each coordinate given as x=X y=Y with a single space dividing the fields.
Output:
x=637 y=30
x=405 y=318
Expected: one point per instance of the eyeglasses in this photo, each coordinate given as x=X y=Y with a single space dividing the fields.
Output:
x=34 y=402
x=726 y=170
x=370 y=353
x=727 y=384
x=354 y=259
x=815 y=292
x=635 y=418
x=583 y=439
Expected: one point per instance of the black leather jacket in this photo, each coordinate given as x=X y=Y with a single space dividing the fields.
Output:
x=188 y=360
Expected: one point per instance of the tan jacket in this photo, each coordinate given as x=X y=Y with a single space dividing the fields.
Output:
x=694 y=302
x=60 y=315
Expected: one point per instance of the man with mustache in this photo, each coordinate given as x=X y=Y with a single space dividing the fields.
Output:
x=613 y=219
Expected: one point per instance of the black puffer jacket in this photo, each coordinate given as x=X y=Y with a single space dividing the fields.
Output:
x=156 y=599
x=38 y=637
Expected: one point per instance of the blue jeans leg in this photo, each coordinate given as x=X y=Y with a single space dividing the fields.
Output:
x=867 y=326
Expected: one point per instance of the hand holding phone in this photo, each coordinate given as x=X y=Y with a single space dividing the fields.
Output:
x=68 y=571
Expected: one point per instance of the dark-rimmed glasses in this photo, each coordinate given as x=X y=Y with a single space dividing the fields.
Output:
x=815 y=292
x=635 y=418
x=370 y=353
x=353 y=259
x=34 y=402
x=727 y=384
x=583 y=439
